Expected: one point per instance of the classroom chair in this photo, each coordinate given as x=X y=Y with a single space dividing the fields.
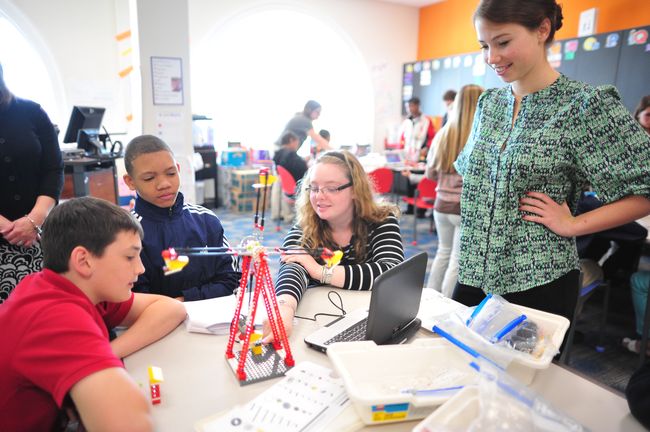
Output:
x=382 y=180
x=288 y=184
x=425 y=195
x=645 y=334
x=591 y=278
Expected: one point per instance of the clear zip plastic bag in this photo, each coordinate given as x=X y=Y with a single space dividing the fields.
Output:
x=507 y=405
x=494 y=318
x=502 y=324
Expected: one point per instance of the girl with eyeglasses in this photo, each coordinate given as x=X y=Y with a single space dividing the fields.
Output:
x=336 y=210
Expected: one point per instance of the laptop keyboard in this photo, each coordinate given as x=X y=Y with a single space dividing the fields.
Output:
x=355 y=333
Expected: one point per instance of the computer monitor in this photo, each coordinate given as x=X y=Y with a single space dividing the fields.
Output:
x=83 y=128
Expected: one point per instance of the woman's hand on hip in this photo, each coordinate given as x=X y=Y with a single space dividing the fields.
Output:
x=545 y=211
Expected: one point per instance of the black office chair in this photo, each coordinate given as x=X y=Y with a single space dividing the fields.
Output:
x=591 y=278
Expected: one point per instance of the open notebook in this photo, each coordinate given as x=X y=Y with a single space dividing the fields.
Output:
x=214 y=315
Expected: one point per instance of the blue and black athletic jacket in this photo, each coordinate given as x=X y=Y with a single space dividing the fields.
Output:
x=184 y=225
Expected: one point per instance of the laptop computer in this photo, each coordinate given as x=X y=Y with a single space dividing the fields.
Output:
x=392 y=315
x=394 y=157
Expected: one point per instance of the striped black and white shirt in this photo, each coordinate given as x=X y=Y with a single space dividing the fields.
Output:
x=385 y=250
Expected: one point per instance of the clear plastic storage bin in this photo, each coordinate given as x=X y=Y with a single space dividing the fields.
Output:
x=392 y=383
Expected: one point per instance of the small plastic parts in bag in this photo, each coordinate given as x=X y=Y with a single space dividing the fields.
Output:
x=501 y=323
x=507 y=405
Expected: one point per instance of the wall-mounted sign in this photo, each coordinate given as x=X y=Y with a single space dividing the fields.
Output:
x=587 y=24
x=167 y=80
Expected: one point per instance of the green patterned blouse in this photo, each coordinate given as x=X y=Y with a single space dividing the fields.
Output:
x=566 y=136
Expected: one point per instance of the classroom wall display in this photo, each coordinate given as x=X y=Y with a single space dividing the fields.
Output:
x=620 y=58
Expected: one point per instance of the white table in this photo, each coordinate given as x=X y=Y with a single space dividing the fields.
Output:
x=199 y=383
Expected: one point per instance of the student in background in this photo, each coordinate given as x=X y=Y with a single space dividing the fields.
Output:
x=325 y=134
x=639 y=286
x=642 y=113
x=534 y=145
x=170 y=222
x=287 y=157
x=301 y=125
x=446 y=146
x=448 y=99
x=31 y=179
x=318 y=149
x=416 y=134
x=55 y=354
x=336 y=210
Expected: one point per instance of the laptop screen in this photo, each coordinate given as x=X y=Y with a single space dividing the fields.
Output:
x=393 y=157
x=395 y=299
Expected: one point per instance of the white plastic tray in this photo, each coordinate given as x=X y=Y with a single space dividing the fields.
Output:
x=386 y=383
x=524 y=367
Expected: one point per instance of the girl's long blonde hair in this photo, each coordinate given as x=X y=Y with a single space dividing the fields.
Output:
x=450 y=140
x=317 y=232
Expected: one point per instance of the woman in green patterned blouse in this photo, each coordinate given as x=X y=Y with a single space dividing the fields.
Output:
x=534 y=146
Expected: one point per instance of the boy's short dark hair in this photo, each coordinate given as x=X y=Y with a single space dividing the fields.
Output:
x=449 y=95
x=287 y=137
x=140 y=145
x=89 y=222
x=324 y=133
x=414 y=100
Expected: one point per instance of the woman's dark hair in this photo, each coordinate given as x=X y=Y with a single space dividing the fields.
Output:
x=5 y=95
x=528 y=13
x=89 y=222
x=643 y=104
x=310 y=107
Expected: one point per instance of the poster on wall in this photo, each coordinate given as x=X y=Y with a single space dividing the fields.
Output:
x=167 y=80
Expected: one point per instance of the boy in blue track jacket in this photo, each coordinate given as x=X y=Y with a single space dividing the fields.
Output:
x=168 y=222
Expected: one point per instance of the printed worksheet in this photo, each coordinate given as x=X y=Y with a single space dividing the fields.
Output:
x=307 y=399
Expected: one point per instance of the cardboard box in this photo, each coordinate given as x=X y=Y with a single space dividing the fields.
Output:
x=244 y=205
x=242 y=181
x=247 y=205
x=234 y=157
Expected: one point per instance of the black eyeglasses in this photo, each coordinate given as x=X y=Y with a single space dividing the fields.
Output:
x=327 y=190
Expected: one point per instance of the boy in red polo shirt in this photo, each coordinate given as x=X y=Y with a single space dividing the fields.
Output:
x=55 y=355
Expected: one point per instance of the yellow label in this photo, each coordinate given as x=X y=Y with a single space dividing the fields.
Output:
x=384 y=416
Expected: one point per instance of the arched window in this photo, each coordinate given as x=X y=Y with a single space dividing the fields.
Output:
x=254 y=72
x=24 y=70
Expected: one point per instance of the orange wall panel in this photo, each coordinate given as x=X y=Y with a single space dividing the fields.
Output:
x=446 y=28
